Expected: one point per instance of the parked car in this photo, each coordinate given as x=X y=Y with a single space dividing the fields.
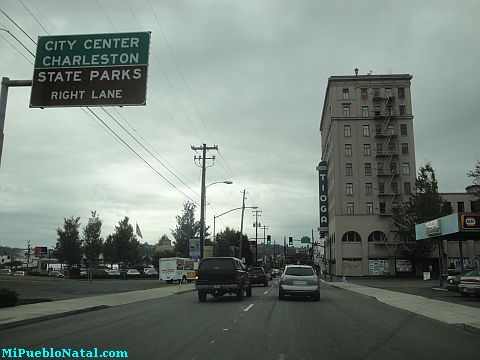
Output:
x=19 y=273
x=151 y=272
x=113 y=272
x=5 y=272
x=470 y=283
x=133 y=272
x=258 y=276
x=299 y=280
x=55 y=273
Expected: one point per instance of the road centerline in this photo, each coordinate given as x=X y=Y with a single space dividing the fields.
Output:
x=248 y=307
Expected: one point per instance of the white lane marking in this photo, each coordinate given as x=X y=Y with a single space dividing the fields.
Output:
x=211 y=342
x=248 y=307
x=266 y=292
x=225 y=329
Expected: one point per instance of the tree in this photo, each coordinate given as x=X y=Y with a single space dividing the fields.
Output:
x=109 y=252
x=228 y=239
x=187 y=228
x=69 y=246
x=475 y=174
x=92 y=242
x=424 y=204
x=126 y=246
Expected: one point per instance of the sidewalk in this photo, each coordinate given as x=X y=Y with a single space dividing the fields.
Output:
x=462 y=316
x=25 y=314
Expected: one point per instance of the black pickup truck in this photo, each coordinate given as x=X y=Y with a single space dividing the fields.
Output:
x=218 y=276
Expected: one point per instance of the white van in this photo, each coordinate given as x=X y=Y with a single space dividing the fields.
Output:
x=177 y=269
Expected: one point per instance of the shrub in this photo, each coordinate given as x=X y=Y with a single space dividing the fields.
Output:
x=8 y=297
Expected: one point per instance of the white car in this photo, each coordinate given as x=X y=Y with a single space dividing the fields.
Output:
x=299 y=280
x=133 y=272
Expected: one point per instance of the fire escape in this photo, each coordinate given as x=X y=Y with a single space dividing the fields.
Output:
x=387 y=164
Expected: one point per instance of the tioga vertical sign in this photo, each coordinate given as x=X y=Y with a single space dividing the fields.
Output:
x=91 y=70
x=323 y=196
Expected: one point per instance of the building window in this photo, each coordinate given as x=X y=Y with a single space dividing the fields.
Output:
x=379 y=148
x=393 y=168
x=350 y=209
x=351 y=236
x=349 y=189
x=392 y=149
x=402 y=110
x=368 y=169
x=376 y=92
x=391 y=129
x=460 y=206
x=403 y=129
x=369 y=208
x=407 y=188
x=347 y=130
x=378 y=128
x=388 y=93
x=364 y=94
x=366 y=150
x=394 y=187
x=376 y=236
x=475 y=206
x=345 y=94
x=401 y=93
x=380 y=168
x=366 y=130
x=346 y=110
x=369 y=189
x=390 y=110
x=406 y=168
x=382 y=207
x=349 y=169
x=348 y=149
x=381 y=188
x=365 y=111
x=404 y=149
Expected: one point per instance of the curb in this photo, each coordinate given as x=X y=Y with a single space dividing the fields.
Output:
x=52 y=316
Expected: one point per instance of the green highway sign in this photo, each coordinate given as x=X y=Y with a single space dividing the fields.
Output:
x=305 y=240
x=91 y=70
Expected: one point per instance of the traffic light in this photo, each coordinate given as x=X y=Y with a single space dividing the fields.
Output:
x=290 y=241
x=269 y=239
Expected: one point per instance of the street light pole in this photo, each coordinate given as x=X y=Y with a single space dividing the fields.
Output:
x=226 y=212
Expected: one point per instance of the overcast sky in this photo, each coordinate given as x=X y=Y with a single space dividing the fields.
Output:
x=256 y=73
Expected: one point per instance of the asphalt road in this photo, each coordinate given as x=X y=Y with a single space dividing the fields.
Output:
x=343 y=325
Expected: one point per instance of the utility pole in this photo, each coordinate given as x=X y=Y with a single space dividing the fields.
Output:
x=256 y=233
x=203 y=157
x=241 y=225
x=28 y=253
x=264 y=245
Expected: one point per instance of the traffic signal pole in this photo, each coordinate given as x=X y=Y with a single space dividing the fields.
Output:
x=6 y=83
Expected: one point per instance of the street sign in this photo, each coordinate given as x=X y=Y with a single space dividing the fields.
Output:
x=305 y=240
x=91 y=70
x=194 y=248
x=470 y=222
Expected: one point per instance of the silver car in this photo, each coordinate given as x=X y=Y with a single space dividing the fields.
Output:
x=470 y=283
x=299 y=280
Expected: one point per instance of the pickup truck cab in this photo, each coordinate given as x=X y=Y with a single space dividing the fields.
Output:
x=218 y=276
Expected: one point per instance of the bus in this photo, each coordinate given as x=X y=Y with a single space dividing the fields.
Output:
x=177 y=269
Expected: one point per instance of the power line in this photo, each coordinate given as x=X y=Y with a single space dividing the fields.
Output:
x=38 y=22
x=9 y=18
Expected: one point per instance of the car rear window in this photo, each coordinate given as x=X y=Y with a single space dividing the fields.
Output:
x=257 y=270
x=216 y=264
x=299 y=271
